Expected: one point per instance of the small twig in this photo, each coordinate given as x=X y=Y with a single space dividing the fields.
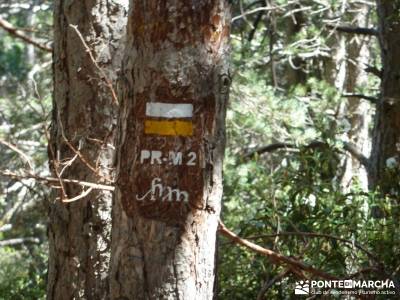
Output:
x=244 y=16
x=19 y=34
x=80 y=196
x=274 y=256
x=85 y=161
x=92 y=58
x=22 y=154
x=54 y=161
x=258 y=9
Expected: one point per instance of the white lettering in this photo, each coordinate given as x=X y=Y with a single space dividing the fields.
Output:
x=155 y=185
x=178 y=194
x=158 y=190
x=156 y=156
x=175 y=158
x=144 y=154
x=192 y=161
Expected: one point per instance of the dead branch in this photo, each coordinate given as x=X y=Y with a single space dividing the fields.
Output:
x=274 y=256
x=51 y=180
x=270 y=148
x=103 y=74
x=353 y=30
x=249 y=12
x=85 y=161
x=19 y=34
x=17 y=241
x=374 y=70
x=56 y=164
x=80 y=196
x=371 y=99
x=357 y=154
x=5 y=227
x=349 y=147
x=19 y=152
x=317 y=235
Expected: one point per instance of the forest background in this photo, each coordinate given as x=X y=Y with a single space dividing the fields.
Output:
x=301 y=125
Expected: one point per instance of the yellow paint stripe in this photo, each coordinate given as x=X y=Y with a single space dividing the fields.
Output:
x=183 y=128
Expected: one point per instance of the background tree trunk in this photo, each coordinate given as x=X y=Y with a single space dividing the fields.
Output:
x=85 y=115
x=386 y=140
x=357 y=111
x=176 y=53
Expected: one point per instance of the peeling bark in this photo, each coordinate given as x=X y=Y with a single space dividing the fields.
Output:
x=163 y=248
x=83 y=114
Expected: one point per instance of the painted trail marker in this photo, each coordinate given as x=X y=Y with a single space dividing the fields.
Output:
x=168 y=124
x=169 y=161
x=169 y=110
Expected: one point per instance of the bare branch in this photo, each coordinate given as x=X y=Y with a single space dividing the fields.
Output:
x=352 y=149
x=349 y=147
x=374 y=70
x=20 y=152
x=55 y=163
x=5 y=227
x=274 y=256
x=17 y=241
x=80 y=196
x=353 y=30
x=19 y=34
x=318 y=235
x=371 y=99
x=269 y=148
x=85 y=161
x=51 y=180
x=249 y=12
x=103 y=74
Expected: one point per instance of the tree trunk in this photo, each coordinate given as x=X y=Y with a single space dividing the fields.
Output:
x=386 y=140
x=170 y=150
x=357 y=110
x=84 y=115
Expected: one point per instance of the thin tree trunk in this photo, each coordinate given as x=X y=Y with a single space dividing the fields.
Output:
x=386 y=140
x=167 y=206
x=84 y=116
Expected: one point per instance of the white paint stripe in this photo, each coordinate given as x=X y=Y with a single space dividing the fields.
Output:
x=169 y=110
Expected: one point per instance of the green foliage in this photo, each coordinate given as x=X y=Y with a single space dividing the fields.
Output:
x=25 y=100
x=23 y=273
x=291 y=200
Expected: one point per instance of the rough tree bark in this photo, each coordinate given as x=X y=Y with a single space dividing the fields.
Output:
x=386 y=140
x=170 y=149
x=84 y=114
